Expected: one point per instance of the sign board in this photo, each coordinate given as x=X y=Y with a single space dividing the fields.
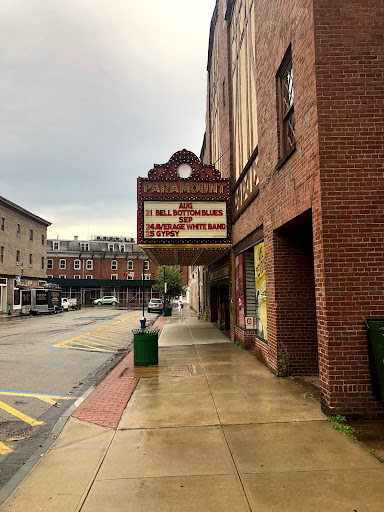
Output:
x=185 y=219
x=249 y=322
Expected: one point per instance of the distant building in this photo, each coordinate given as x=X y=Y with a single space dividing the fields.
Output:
x=102 y=265
x=23 y=237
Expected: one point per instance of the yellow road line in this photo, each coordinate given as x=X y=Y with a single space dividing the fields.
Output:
x=63 y=343
x=88 y=340
x=4 y=449
x=106 y=340
x=20 y=415
x=90 y=348
x=54 y=398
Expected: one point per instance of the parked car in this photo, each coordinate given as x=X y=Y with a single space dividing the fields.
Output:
x=107 y=299
x=155 y=305
x=64 y=304
x=74 y=304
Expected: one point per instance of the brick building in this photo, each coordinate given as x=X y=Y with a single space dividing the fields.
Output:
x=295 y=119
x=102 y=265
x=23 y=252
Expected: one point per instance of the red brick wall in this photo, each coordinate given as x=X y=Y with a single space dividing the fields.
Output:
x=349 y=69
x=101 y=267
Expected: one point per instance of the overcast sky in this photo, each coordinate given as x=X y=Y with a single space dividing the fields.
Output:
x=92 y=94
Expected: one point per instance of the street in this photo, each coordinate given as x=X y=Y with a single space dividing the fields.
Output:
x=46 y=363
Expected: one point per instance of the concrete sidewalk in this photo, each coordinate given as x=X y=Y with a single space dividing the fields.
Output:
x=209 y=429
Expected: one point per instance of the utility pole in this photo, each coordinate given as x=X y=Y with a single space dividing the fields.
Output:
x=142 y=282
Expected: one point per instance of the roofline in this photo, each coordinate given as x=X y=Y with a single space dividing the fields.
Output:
x=23 y=211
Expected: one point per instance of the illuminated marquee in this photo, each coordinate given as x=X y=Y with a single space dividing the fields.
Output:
x=183 y=201
x=185 y=220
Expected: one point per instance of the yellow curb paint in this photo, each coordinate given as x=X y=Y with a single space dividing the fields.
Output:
x=50 y=399
x=105 y=339
x=23 y=417
x=4 y=449
x=90 y=342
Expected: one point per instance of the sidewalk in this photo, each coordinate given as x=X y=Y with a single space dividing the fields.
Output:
x=209 y=429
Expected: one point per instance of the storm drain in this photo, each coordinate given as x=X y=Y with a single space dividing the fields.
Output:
x=142 y=372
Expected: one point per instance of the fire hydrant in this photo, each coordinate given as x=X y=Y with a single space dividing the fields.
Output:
x=143 y=322
x=9 y=309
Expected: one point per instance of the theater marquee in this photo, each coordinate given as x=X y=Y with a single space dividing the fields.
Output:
x=184 y=212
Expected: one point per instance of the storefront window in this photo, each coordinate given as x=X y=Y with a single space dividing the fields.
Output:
x=16 y=297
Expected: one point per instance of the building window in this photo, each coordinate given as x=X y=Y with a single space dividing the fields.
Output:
x=84 y=247
x=114 y=265
x=56 y=246
x=130 y=265
x=93 y=294
x=30 y=260
x=62 y=277
x=76 y=276
x=110 y=247
x=147 y=277
x=122 y=248
x=49 y=263
x=2 y=223
x=18 y=230
x=1 y=254
x=286 y=113
x=17 y=256
x=42 y=239
x=89 y=276
x=77 y=265
x=130 y=276
x=49 y=276
x=63 y=264
x=31 y=235
x=114 y=277
x=89 y=265
x=146 y=265
x=42 y=263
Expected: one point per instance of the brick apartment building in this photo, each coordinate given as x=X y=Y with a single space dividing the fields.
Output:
x=23 y=237
x=102 y=265
x=295 y=119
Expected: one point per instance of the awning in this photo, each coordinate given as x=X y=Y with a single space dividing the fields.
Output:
x=185 y=255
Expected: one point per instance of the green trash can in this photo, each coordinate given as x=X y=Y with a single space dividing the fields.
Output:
x=145 y=347
x=375 y=329
x=167 y=311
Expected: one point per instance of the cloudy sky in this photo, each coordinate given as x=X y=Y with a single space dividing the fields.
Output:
x=92 y=94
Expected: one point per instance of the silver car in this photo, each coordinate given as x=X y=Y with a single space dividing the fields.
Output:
x=155 y=305
x=107 y=299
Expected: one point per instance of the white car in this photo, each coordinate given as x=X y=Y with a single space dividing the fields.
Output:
x=64 y=304
x=107 y=299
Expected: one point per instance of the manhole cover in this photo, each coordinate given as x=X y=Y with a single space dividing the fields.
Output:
x=142 y=372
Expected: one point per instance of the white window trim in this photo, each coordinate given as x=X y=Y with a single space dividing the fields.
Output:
x=114 y=276
x=89 y=276
x=54 y=244
x=65 y=264
x=51 y=260
x=114 y=265
x=130 y=265
x=77 y=267
x=47 y=276
x=89 y=265
x=146 y=265
x=76 y=276
x=62 y=276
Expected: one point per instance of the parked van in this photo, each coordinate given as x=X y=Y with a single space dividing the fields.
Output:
x=40 y=300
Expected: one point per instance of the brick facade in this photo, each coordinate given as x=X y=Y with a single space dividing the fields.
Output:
x=321 y=208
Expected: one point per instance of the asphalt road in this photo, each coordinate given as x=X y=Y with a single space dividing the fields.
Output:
x=46 y=363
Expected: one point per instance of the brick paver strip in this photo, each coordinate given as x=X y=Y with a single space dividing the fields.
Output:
x=106 y=404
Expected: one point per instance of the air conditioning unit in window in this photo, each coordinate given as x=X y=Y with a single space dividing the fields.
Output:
x=17 y=263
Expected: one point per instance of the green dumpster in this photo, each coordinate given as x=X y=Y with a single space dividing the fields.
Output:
x=375 y=329
x=145 y=347
x=167 y=311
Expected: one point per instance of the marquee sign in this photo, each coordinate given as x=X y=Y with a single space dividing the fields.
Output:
x=183 y=204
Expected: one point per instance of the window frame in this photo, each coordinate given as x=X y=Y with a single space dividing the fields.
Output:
x=285 y=110
x=49 y=266
x=62 y=266
x=55 y=246
x=114 y=265
x=77 y=264
x=89 y=265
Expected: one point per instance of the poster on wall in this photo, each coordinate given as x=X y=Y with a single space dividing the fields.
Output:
x=239 y=291
x=261 y=296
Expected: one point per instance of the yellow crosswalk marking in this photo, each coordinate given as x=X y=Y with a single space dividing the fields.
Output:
x=23 y=417
x=4 y=449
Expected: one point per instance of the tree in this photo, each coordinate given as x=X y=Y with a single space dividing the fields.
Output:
x=173 y=278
